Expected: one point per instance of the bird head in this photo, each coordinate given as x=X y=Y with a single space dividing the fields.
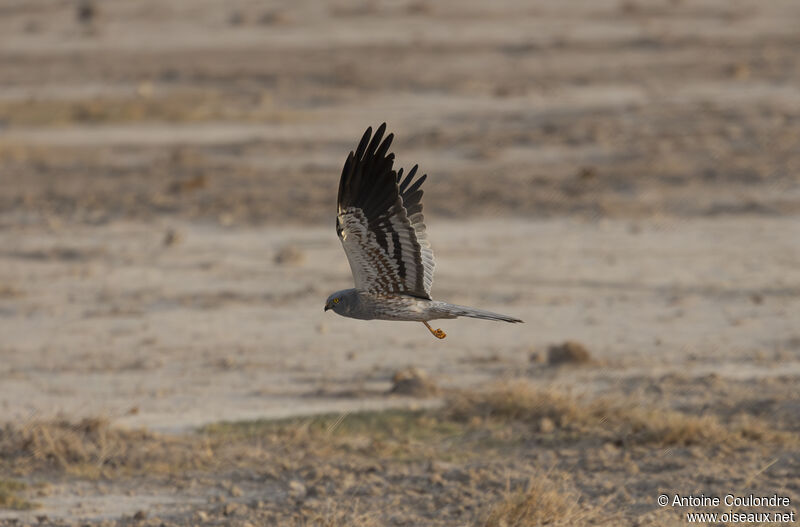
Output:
x=338 y=301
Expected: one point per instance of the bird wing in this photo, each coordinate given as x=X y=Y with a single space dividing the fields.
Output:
x=380 y=221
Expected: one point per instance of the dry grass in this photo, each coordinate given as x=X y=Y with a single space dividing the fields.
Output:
x=606 y=419
x=569 y=352
x=91 y=448
x=469 y=461
x=399 y=435
x=541 y=503
x=516 y=401
x=342 y=516
x=9 y=496
x=495 y=418
x=378 y=425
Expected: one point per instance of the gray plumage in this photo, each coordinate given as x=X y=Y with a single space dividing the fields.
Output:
x=381 y=227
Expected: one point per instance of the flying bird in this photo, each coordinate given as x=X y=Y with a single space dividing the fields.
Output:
x=380 y=224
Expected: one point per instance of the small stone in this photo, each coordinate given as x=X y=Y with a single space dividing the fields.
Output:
x=414 y=382
x=297 y=490
x=273 y=17
x=86 y=12
x=536 y=357
x=171 y=237
x=546 y=425
x=290 y=255
x=140 y=515
x=740 y=70
x=231 y=509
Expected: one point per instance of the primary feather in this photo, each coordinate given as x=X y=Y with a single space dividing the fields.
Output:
x=380 y=221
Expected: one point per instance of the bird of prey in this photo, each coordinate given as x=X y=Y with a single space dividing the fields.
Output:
x=380 y=224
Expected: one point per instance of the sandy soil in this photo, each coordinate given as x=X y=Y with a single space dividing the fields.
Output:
x=103 y=320
x=621 y=174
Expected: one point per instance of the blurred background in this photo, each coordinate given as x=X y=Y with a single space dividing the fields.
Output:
x=622 y=174
x=243 y=113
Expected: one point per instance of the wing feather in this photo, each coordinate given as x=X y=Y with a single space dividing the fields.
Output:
x=380 y=221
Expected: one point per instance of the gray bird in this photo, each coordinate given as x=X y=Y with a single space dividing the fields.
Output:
x=381 y=227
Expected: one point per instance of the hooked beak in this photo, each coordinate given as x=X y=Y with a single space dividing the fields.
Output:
x=327 y=307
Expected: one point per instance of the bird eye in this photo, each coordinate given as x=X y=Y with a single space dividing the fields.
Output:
x=335 y=300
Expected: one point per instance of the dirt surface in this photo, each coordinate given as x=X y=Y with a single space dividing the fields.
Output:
x=622 y=175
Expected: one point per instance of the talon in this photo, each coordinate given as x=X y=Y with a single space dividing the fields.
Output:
x=438 y=333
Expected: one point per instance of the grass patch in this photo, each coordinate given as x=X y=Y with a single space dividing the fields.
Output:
x=477 y=423
x=9 y=496
x=412 y=424
x=394 y=434
x=541 y=503
x=605 y=419
x=91 y=449
x=340 y=516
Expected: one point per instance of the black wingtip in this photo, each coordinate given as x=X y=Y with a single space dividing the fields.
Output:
x=384 y=148
x=362 y=145
x=376 y=141
x=417 y=184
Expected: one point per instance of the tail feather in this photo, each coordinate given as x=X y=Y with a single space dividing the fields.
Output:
x=464 y=311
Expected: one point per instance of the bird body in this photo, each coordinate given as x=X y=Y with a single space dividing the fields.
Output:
x=380 y=224
x=362 y=305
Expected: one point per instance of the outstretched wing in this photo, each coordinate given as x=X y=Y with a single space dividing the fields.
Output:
x=380 y=221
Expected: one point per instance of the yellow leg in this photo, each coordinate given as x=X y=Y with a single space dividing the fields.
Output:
x=438 y=333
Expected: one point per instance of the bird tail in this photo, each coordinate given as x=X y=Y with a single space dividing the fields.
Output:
x=464 y=311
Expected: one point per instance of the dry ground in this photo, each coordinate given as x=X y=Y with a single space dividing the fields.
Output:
x=623 y=174
x=511 y=454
